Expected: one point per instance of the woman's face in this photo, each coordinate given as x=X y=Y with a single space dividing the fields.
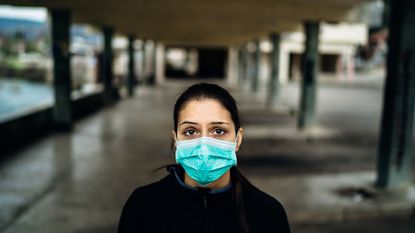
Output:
x=206 y=117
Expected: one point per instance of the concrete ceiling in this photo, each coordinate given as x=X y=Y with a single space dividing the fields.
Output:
x=200 y=22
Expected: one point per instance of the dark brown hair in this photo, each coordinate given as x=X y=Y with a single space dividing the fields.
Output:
x=212 y=91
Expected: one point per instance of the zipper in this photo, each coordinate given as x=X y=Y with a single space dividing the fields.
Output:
x=205 y=203
x=206 y=215
x=205 y=211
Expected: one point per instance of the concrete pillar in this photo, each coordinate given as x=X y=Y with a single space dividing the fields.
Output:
x=241 y=66
x=275 y=62
x=246 y=68
x=62 y=110
x=142 y=65
x=160 y=63
x=154 y=64
x=144 y=61
x=232 y=66
x=257 y=63
x=284 y=62
x=310 y=68
x=107 y=66
x=131 y=66
x=396 y=133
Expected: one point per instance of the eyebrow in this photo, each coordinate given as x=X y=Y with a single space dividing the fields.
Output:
x=219 y=123
x=188 y=122
x=211 y=123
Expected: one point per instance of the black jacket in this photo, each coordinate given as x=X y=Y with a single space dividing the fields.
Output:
x=171 y=206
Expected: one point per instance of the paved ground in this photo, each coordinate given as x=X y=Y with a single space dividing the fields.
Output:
x=372 y=226
x=78 y=182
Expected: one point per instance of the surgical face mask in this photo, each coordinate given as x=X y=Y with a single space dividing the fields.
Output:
x=206 y=159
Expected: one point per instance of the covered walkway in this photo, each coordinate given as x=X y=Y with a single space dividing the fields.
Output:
x=330 y=155
x=78 y=181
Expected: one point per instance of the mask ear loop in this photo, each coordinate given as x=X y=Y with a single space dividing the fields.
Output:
x=175 y=138
x=236 y=139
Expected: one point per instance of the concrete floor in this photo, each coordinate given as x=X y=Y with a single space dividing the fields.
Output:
x=78 y=182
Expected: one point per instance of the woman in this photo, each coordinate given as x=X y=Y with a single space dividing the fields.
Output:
x=204 y=191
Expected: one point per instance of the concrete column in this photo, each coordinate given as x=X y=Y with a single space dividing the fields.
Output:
x=257 y=63
x=107 y=66
x=62 y=110
x=144 y=61
x=232 y=66
x=275 y=62
x=131 y=66
x=140 y=64
x=160 y=63
x=154 y=64
x=246 y=68
x=284 y=63
x=396 y=134
x=241 y=66
x=310 y=68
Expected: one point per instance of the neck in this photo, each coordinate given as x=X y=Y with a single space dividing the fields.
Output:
x=222 y=182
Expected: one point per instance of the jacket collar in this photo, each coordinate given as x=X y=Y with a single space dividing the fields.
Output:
x=178 y=173
x=197 y=197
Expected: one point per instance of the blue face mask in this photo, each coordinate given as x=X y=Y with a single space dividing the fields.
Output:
x=206 y=159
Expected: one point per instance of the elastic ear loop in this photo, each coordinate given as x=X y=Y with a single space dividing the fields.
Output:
x=236 y=139
x=175 y=139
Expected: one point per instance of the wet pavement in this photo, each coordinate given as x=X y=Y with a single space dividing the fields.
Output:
x=78 y=182
x=400 y=225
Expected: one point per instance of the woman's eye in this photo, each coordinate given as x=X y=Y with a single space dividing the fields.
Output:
x=219 y=131
x=189 y=132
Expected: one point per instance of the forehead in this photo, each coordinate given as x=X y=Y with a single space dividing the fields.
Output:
x=204 y=110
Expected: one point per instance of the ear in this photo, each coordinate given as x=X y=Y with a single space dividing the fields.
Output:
x=240 y=136
x=173 y=137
